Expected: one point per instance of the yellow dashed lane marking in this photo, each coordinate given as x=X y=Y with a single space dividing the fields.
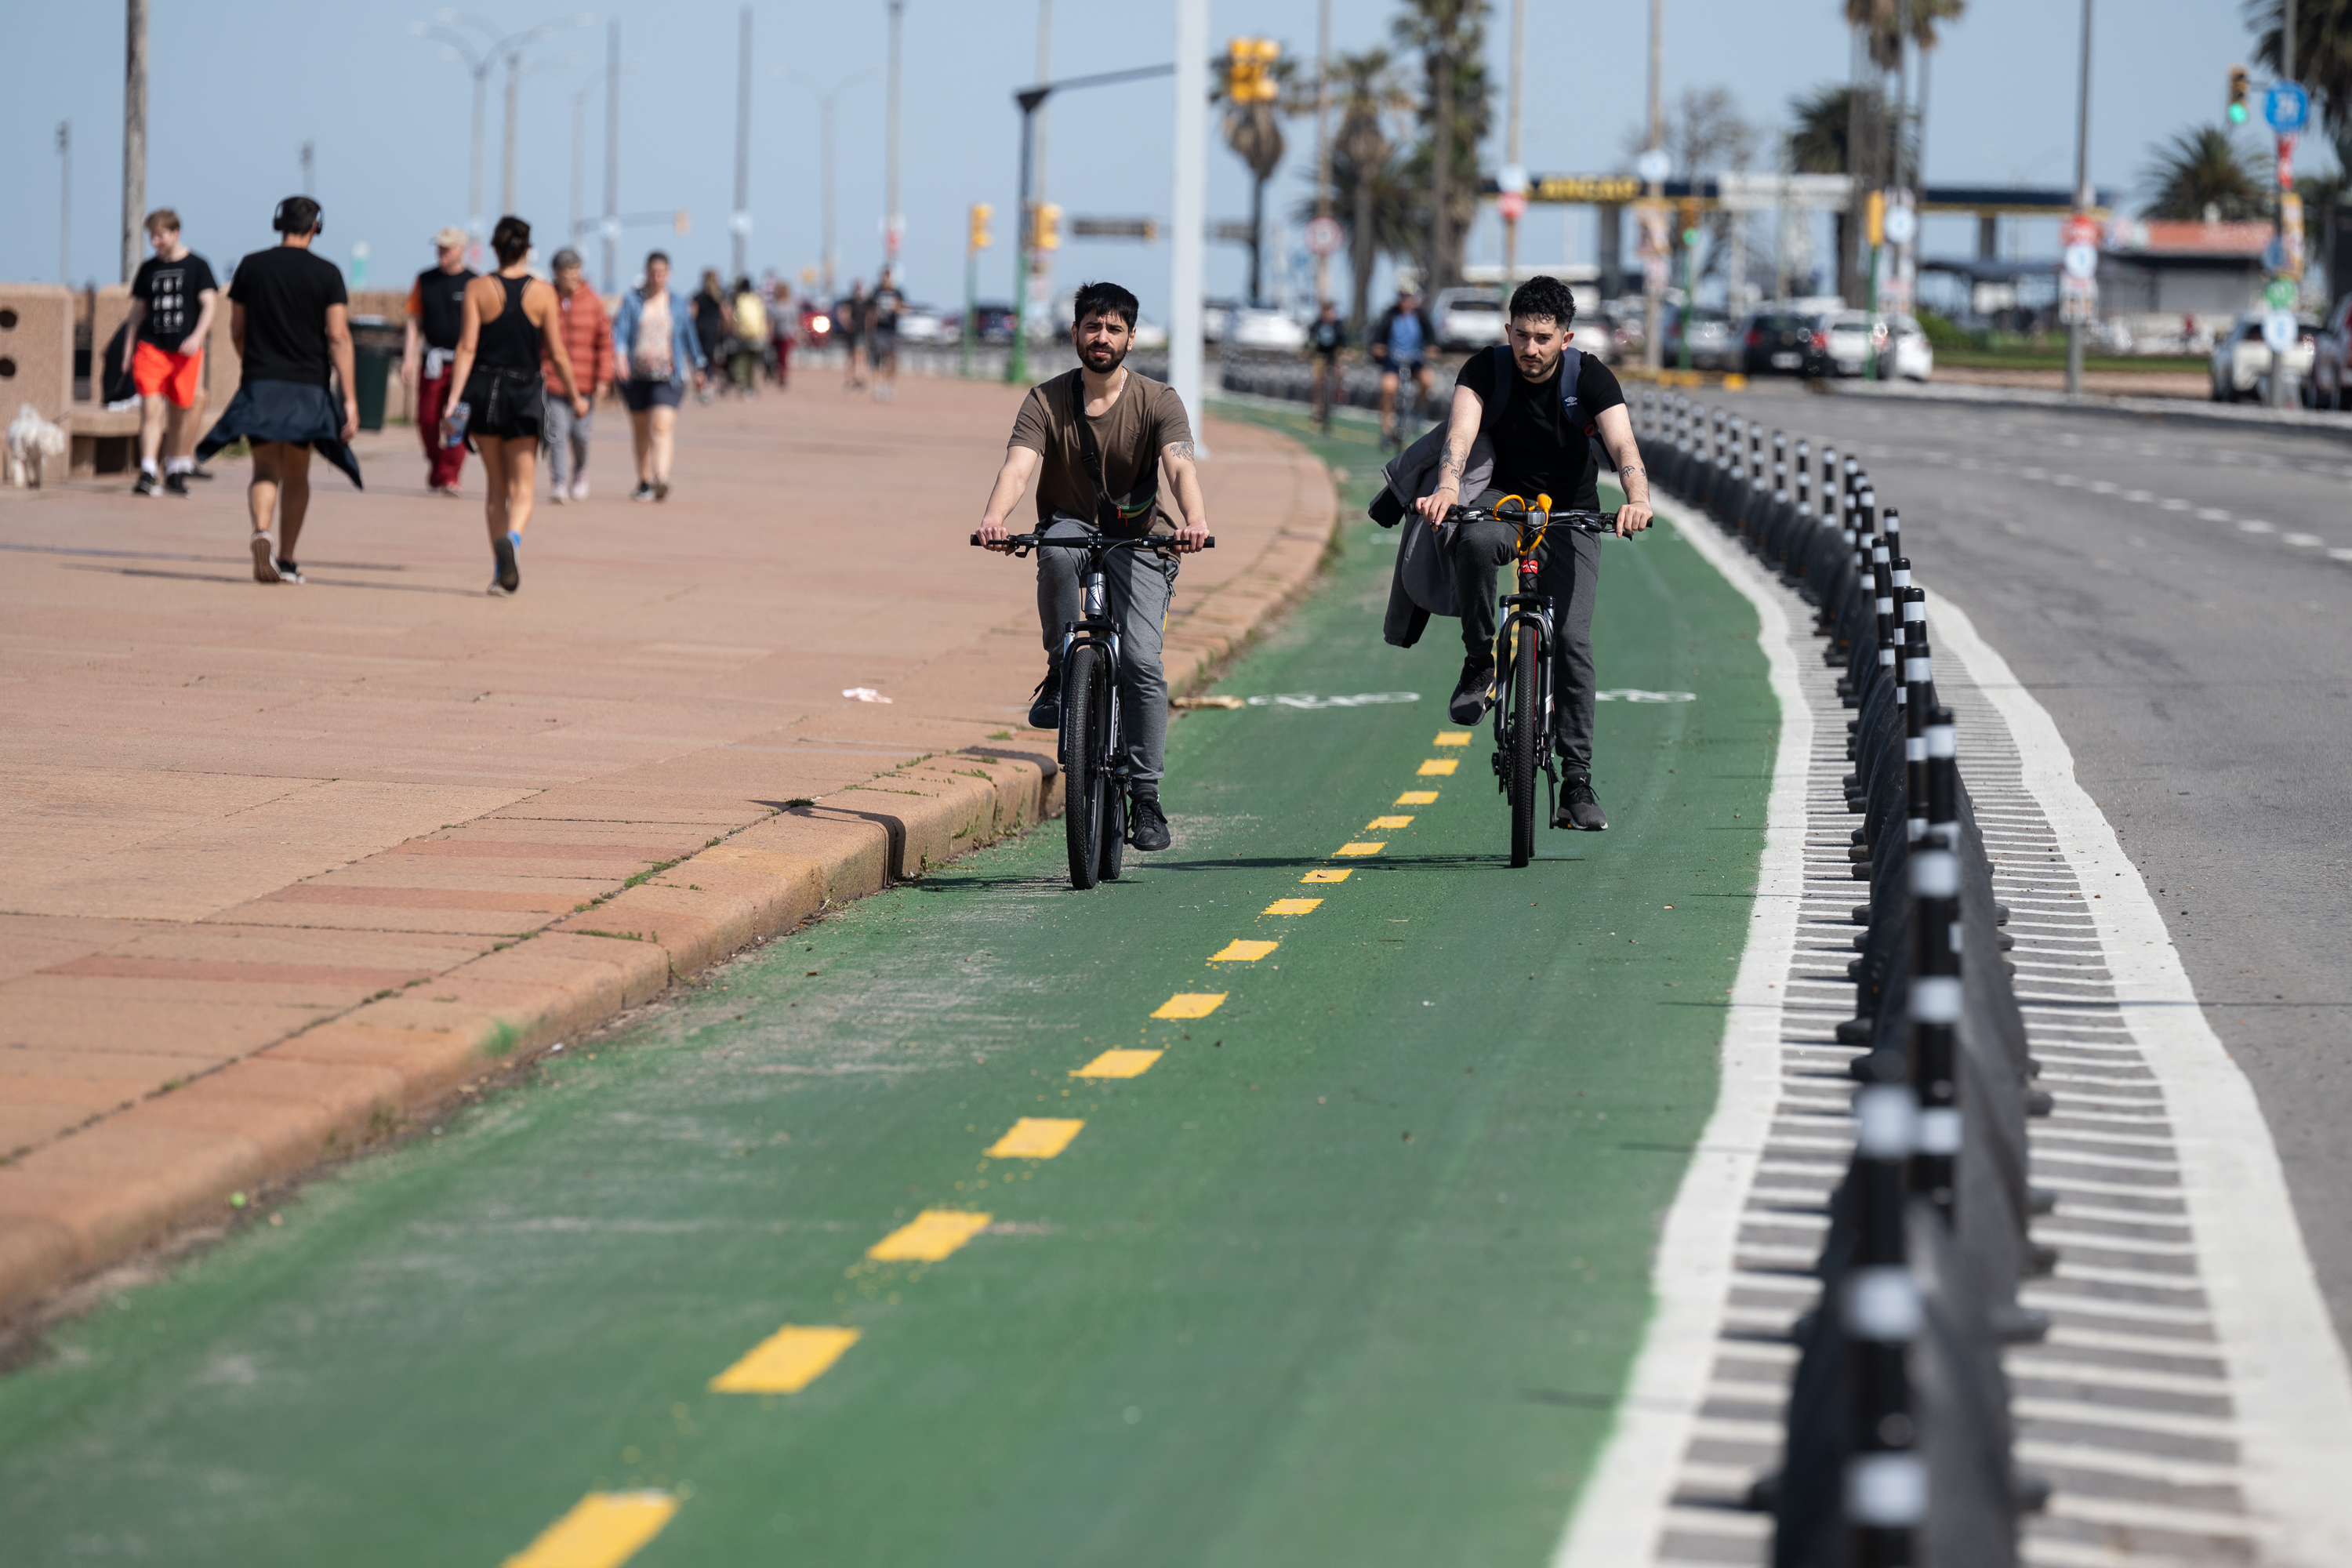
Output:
x=1035 y=1138
x=1417 y=797
x=1291 y=907
x=602 y=1530
x=1240 y=951
x=785 y=1362
x=928 y=1237
x=1191 y=1004
x=1328 y=874
x=1379 y=823
x=1452 y=737
x=1362 y=846
x=1440 y=767
x=1118 y=1064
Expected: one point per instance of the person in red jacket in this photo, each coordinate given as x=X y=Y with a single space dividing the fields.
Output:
x=588 y=339
x=437 y=310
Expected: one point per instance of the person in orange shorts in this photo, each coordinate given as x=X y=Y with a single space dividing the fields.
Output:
x=172 y=300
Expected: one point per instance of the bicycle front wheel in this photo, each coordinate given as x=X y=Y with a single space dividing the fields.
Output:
x=1083 y=718
x=1114 y=833
x=1525 y=731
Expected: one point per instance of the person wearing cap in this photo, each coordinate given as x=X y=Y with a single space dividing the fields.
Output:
x=587 y=336
x=436 y=314
x=1401 y=341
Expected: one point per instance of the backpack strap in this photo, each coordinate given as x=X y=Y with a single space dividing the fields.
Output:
x=1114 y=515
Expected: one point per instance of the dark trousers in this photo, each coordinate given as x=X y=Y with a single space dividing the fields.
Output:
x=1139 y=585
x=442 y=464
x=1570 y=572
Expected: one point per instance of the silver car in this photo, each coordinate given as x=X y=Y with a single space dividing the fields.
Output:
x=1904 y=351
x=1467 y=319
x=2240 y=359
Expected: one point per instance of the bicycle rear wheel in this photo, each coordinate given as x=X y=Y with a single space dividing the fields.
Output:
x=1083 y=719
x=1525 y=731
x=1114 y=832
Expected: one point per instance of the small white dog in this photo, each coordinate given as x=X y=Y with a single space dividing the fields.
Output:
x=33 y=444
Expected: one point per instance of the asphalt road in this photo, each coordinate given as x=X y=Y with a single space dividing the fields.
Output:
x=2179 y=595
x=1291 y=1201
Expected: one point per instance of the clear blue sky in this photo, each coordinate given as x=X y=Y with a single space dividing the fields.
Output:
x=236 y=90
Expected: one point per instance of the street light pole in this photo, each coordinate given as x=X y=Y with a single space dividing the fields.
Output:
x=2282 y=385
x=1188 y=211
x=1511 y=147
x=1654 y=348
x=612 y=155
x=134 y=132
x=893 y=222
x=64 y=202
x=741 y=221
x=2082 y=188
x=1323 y=142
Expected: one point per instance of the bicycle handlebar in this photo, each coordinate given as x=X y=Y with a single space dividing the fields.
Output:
x=1582 y=521
x=1161 y=542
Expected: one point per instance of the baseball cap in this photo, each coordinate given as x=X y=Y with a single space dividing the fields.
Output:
x=452 y=237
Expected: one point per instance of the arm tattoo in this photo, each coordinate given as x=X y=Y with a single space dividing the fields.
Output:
x=1449 y=471
x=1178 y=452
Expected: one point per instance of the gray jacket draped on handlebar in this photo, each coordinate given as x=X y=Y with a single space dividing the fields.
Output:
x=1422 y=586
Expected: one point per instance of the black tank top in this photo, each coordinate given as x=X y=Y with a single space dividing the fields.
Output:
x=510 y=343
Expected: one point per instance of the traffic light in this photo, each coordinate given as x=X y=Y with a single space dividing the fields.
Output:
x=2238 y=91
x=1688 y=211
x=981 y=212
x=1049 y=227
x=1249 y=71
x=1875 y=218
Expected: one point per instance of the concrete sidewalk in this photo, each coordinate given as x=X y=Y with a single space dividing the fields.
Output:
x=281 y=866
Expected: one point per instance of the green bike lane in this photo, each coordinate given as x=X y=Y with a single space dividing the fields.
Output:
x=1353 y=1270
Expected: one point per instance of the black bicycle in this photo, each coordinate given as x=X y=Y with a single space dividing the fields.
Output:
x=1092 y=751
x=1526 y=720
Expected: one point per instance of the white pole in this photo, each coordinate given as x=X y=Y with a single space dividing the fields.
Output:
x=1191 y=212
x=740 y=220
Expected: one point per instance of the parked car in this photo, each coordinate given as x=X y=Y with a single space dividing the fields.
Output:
x=922 y=324
x=1215 y=316
x=991 y=323
x=1712 y=344
x=1264 y=327
x=2240 y=359
x=1150 y=335
x=2331 y=358
x=1467 y=319
x=1783 y=342
x=1904 y=351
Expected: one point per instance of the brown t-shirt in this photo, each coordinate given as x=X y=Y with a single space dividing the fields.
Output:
x=1148 y=417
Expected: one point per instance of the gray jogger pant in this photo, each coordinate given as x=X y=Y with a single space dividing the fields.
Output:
x=1140 y=584
x=565 y=435
x=1570 y=573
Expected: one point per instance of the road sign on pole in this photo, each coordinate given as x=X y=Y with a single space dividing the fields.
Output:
x=2286 y=107
x=1324 y=236
x=2278 y=331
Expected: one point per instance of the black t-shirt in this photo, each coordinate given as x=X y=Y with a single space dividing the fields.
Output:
x=1538 y=450
x=286 y=291
x=440 y=299
x=171 y=289
x=882 y=311
x=1327 y=338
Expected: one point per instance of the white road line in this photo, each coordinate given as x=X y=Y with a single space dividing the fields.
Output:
x=1616 y=1520
x=2290 y=1379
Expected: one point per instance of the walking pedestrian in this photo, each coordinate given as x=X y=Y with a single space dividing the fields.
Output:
x=172 y=300
x=782 y=320
x=882 y=332
x=653 y=342
x=849 y=319
x=291 y=319
x=747 y=344
x=437 y=307
x=713 y=322
x=588 y=339
x=513 y=323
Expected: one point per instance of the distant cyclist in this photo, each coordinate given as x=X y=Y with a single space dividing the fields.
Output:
x=1096 y=440
x=1399 y=342
x=1541 y=438
x=1326 y=337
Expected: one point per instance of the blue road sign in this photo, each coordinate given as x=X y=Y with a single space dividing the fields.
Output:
x=2287 y=106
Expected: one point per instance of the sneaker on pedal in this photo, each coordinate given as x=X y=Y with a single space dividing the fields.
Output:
x=149 y=484
x=1045 y=702
x=1578 y=807
x=1471 y=696
x=1150 y=823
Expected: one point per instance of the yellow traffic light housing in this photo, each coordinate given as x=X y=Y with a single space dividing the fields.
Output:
x=1875 y=218
x=1049 y=227
x=1687 y=213
x=2238 y=92
x=1249 y=71
x=978 y=237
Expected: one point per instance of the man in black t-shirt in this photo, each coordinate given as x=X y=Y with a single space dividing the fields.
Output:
x=1541 y=439
x=1326 y=336
x=437 y=316
x=290 y=317
x=172 y=301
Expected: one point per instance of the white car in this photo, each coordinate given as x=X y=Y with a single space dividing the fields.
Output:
x=1468 y=317
x=1263 y=327
x=1150 y=335
x=1852 y=335
x=2240 y=359
x=922 y=324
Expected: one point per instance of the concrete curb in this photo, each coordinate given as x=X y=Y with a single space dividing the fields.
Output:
x=2321 y=422
x=84 y=1202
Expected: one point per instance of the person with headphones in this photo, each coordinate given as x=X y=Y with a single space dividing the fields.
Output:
x=291 y=319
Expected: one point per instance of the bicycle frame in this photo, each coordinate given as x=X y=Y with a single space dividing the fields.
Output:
x=1096 y=628
x=1523 y=613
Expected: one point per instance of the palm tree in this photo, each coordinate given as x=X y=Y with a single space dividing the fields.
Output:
x=1369 y=95
x=1254 y=131
x=2200 y=172
x=1885 y=20
x=2323 y=49
x=1450 y=35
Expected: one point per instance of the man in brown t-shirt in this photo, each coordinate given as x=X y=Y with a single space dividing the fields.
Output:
x=1139 y=428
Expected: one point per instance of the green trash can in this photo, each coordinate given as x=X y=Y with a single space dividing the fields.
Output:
x=375 y=350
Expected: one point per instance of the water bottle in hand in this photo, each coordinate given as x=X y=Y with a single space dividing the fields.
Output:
x=458 y=417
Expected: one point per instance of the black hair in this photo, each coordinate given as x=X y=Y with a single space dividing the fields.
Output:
x=296 y=215
x=654 y=256
x=1544 y=296
x=510 y=241
x=1105 y=300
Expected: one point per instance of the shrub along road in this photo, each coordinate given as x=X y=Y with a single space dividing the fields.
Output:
x=1290 y=1201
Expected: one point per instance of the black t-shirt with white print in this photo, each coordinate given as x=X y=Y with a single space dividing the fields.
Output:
x=172 y=290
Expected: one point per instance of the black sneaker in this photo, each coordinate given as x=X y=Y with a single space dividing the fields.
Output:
x=1470 y=699
x=1150 y=823
x=286 y=571
x=175 y=483
x=148 y=484
x=1045 y=702
x=1578 y=807
x=645 y=490
x=510 y=577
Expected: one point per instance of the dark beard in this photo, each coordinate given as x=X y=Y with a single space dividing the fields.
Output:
x=1092 y=357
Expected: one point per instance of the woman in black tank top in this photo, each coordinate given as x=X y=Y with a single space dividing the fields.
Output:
x=513 y=324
